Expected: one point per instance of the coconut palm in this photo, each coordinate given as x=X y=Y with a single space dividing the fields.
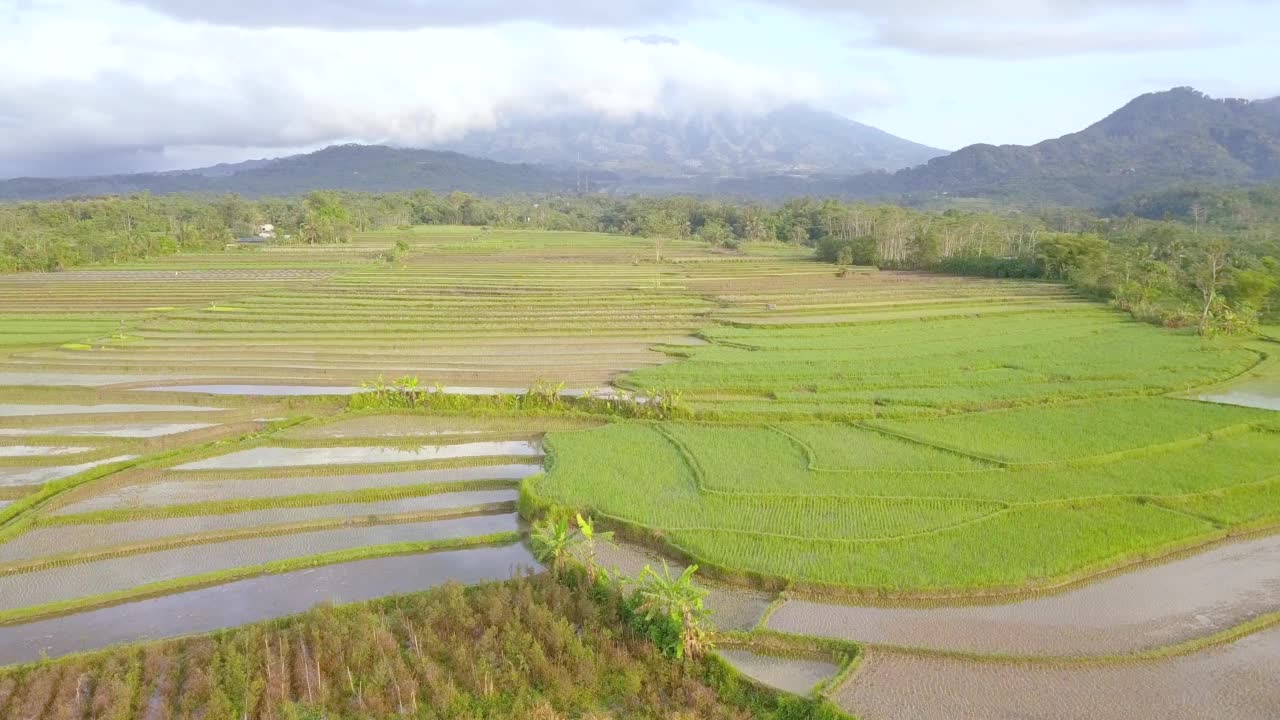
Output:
x=677 y=598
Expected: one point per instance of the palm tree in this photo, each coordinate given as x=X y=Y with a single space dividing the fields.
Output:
x=679 y=599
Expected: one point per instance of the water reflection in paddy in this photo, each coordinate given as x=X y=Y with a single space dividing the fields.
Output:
x=256 y=599
x=54 y=540
x=65 y=582
x=39 y=450
x=181 y=491
x=265 y=457
x=257 y=389
x=137 y=430
x=20 y=410
x=1264 y=394
x=37 y=476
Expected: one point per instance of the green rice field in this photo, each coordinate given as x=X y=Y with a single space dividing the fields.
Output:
x=183 y=423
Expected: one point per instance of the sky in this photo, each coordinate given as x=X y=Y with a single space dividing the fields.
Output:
x=104 y=86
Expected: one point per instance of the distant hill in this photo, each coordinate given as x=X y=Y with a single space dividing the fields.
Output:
x=794 y=139
x=1157 y=140
x=371 y=168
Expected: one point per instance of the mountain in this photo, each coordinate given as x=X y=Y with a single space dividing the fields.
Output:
x=794 y=139
x=371 y=168
x=1180 y=137
x=1157 y=140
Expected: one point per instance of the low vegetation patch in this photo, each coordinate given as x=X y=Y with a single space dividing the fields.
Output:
x=530 y=648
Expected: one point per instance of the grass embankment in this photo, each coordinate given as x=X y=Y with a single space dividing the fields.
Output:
x=530 y=648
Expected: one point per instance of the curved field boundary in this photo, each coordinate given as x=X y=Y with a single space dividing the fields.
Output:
x=1164 y=652
x=1083 y=461
x=700 y=484
x=1180 y=603
x=811 y=457
x=656 y=539
x=1233 y=680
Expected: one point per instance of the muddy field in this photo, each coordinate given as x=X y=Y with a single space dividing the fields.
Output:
x=1236 y=681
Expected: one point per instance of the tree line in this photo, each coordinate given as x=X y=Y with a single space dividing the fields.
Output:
x=1202 y=256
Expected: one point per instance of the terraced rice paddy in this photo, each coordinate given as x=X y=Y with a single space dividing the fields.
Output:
x=794 y=675
x=1142 y=610
x=887 y=448
x=254 y=599
x=1234 y=681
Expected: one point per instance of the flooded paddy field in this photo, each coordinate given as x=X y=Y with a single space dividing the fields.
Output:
x=10 y=451
x=169 y=490
x=1147 y=608
x=255 y=389
x=11 y=477
x=68 y=582
x=65 y=379
x=255 y=599
x=69 y=539
x=409 y=425
x=11 y=410
x=126 y=430
x=798 y=676
x=1259 y=388
x=265 y=457
x=1236 y=681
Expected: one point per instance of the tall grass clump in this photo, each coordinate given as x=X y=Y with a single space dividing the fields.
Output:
x=542 y=398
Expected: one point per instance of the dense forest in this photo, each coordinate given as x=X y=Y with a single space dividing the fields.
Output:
x=1191 y=256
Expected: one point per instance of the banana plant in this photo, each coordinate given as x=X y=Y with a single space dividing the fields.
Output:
x=680 y=600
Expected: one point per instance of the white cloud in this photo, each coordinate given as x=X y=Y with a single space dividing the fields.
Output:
x=129 y=80
x=1024 y=41
x=409 y=14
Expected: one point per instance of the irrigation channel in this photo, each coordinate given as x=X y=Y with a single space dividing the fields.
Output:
x=201 y=467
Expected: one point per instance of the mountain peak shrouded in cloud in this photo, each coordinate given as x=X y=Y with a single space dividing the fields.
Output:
x=103 y=86
x=1155 y=141
x=791 y=139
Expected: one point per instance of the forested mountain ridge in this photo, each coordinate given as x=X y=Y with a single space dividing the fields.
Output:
x=1157 y=141
x=1154 y=141
x=793 y=139
x=367 y=168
